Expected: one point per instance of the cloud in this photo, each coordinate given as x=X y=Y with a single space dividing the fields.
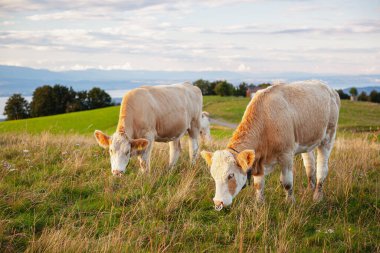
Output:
x=243 y=68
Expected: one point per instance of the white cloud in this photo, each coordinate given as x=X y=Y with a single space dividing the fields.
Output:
x=243 y=68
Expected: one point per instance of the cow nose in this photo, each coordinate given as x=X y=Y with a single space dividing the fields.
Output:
x=116 y=172
x=218 y=205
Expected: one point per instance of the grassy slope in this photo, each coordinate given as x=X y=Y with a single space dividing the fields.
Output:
x=59 y=196
x=356 y=116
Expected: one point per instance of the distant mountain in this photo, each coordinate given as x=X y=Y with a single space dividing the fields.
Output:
x=25 y=80
x=365 y=89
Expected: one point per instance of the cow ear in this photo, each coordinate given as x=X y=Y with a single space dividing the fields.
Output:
x=102 y=139
x=139 y=144
x=207 y=156
x=245 y=159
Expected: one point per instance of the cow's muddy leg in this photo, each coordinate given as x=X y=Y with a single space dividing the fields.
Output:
x=309 y=163
x=193 y=144
x=324 y=151
x=286 y=178
x=144 y=158
x=175 y=150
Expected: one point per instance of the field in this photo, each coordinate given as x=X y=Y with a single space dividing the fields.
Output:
x=57 y=193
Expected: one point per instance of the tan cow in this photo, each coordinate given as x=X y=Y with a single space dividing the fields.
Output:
x=162 y=113
x=280 y=122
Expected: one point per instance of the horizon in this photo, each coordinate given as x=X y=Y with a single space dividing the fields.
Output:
x=317 y=37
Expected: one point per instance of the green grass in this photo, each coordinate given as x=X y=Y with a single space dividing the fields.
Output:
x=59 y=196
x=354 y=116
x=57 y=193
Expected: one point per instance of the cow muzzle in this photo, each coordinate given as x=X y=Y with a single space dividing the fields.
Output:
x=218 y=205
x=117 y=173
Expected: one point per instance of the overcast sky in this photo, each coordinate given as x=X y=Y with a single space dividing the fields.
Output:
x=340 y=37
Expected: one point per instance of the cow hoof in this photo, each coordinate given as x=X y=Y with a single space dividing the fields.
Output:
x=291 y=199
x=318 y=196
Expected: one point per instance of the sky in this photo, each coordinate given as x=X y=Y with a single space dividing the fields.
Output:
x=258 y=36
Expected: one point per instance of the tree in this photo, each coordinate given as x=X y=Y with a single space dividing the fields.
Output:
x=98 y=98
x=264 y=85
x=204 y=86
x=80 y=102
x=223 y=88
x=43 y=103
x=353 y=92
x=16 y=107
x=374 y=96
x=363 y=96
x=63 y=96
x=241 y=90
x=342 y=95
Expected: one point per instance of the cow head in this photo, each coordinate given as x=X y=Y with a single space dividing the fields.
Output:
x=229 y=173
x=205 y=127
x=120 y=148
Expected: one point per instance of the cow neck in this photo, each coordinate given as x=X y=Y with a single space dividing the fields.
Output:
x=247 y=134
x=125 y=119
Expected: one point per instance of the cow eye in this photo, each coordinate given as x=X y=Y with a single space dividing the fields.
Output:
x=230 y=176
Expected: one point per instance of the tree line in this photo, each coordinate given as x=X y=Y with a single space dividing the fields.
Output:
x=224 y=88
x=373 y=96
x=57 y=99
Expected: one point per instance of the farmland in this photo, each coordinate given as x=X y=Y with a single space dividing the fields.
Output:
x=57 y=192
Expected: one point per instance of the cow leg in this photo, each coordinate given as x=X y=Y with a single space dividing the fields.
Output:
x=258 y=184
x=286 y=178
x=175 y=150
x=193 y=144
x=144 y=158
x=309 y=163
x=324 y=151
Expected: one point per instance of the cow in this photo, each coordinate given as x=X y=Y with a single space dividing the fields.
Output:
x=162 y=113
x=205 y=128
x=278 y=123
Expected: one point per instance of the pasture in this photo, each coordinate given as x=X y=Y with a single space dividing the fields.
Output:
x=57 y=193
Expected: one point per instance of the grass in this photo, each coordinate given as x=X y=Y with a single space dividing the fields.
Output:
x=354 y=117
x=57 y=193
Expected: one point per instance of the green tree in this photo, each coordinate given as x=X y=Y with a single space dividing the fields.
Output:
x=342 y=95
x=363 y=96
x=80 y=102
x=43 y=103
x=353 y=91
x=223 y=88
x=204 y=86
x=241 y=90
x=374 y=96
x=16 y=107
x=98 y=98
x=63 y=96
x=264 y=85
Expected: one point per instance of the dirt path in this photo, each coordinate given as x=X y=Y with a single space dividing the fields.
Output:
x=223 y=123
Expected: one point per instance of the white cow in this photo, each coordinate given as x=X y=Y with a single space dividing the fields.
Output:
x=279 y=122
x=162 y=113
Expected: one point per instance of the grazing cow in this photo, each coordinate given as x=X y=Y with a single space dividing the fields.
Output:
x=205 y=128
x=279 y=122
x=162 y=113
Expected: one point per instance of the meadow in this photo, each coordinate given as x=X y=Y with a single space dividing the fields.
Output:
x=57 y=193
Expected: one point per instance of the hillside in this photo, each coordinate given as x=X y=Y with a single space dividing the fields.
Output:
x=57 y=193
x=357 y=116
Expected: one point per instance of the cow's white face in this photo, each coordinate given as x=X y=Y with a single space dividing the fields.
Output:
x=120 y=148
x=229 y=173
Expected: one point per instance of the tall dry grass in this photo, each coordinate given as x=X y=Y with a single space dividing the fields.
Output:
x=57 y=195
